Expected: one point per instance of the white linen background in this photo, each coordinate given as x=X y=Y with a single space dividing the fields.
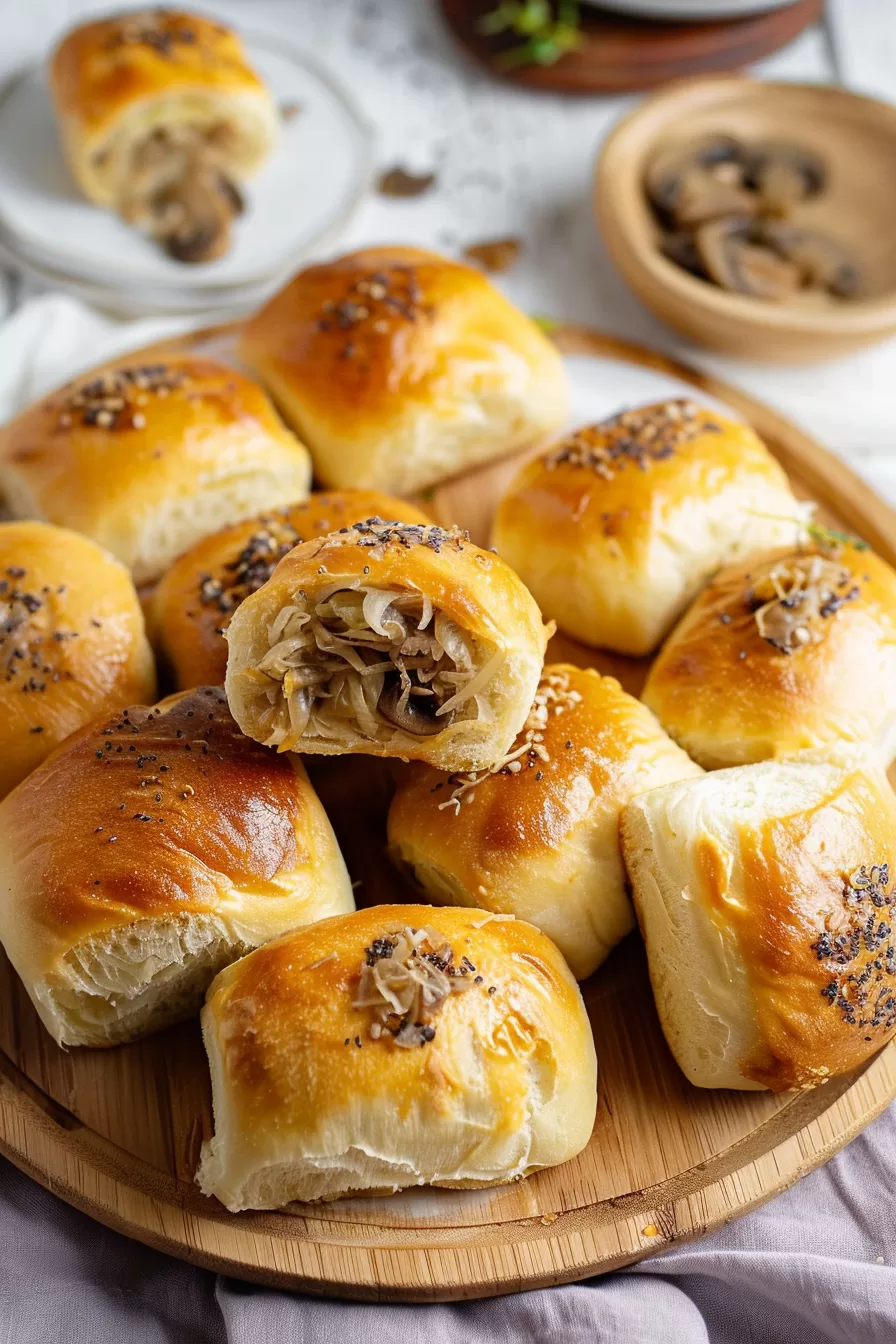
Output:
x=814 y=1266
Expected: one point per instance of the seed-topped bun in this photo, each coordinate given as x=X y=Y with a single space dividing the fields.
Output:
x=765 y=897
x=146 y=458
x=618 y=527
x=389 y=639
x=147 y=852
x=399 y=367
x=537 y=836
x=398 y=1046
x=195 y=601
x=160 y=115
x=72 y=643
x=784 y=652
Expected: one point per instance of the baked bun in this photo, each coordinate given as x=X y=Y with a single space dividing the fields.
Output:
x=399 y=368
x=195 y=601
x=72 y=643
x=160 y=115
x=537 y=836
x=395 y=1047
x=617 y=528
x=780 y=653
x=147 y=852
x=148 y=458
x=389 y=639
x=764 y=896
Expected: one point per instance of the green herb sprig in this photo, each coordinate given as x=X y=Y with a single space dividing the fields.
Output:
x=549 y=30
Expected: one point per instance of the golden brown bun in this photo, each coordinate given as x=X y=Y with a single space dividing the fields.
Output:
x=399 y=368
x=314 y=1098
x=72 y=643
x=764 y=896
x=147 y=852
x=730 y=696
x=148 y=458
x=617 y=528
x=539 y=838
x=117 y=80
x=456 y=619
x=195 y=601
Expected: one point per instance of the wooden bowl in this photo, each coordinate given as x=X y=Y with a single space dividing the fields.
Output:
x=856 y=136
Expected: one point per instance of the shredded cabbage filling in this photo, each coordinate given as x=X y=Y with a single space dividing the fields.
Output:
x=364 y=661
x=406 y=977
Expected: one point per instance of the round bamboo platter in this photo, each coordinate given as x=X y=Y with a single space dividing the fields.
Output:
x=117 y=1133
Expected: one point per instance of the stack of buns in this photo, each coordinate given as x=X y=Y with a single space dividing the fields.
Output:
x=541 y=810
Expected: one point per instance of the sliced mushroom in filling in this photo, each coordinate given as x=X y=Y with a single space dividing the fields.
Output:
x=792 y=599
x=365 y=661
x=177 y=186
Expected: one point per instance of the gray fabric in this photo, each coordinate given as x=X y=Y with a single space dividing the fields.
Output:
x=816 y=1266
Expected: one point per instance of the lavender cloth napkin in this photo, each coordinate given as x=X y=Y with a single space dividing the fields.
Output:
x=816 y=1266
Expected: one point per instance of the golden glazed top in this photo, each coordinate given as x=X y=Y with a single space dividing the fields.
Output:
x=105 y=65
x=301 y=1043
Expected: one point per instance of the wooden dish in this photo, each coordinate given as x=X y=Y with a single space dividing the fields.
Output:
x=117 y=1132
x=620 y=53
x=856 y=136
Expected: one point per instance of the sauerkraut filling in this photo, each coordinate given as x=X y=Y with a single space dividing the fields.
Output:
x=791 y=599
x=364 y=661
x=406 y=977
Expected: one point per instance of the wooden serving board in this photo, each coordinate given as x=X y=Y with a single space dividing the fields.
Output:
x=619 y=54
x=117 y=1133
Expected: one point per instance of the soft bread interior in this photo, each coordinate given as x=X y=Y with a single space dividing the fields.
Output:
x=176 y=522
x=698 y=976
x=135 y=979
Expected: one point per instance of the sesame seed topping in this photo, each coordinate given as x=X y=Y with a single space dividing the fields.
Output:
x=637 y=437
x=553 y=698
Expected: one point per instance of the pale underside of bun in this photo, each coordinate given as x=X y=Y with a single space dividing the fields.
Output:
x=585 y=918
x=136 y=978
x=699 y=979
x=148 y=536
x=493 y=407
x=369 y=1149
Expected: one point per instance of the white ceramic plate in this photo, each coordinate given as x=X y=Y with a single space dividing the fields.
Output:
x=302 y=196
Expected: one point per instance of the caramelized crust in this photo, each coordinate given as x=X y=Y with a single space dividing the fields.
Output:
x=146 y=458
x=400 y=368
x=730 y=695
x=72 y=643
x=195 y=601
x=101 y=67
x=313 y=1098
x=616 y=529
x=156 y=822
x=537 y=836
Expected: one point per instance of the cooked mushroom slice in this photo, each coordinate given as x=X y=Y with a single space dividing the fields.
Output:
x=192 y=218
x=784 y=175
x=701 y=181
x=414 y=713
x=681 y=248
x=734 y=260
x=823 y=263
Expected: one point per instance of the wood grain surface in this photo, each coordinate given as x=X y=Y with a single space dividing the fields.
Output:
x=117 y=1133
x=620 y=54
